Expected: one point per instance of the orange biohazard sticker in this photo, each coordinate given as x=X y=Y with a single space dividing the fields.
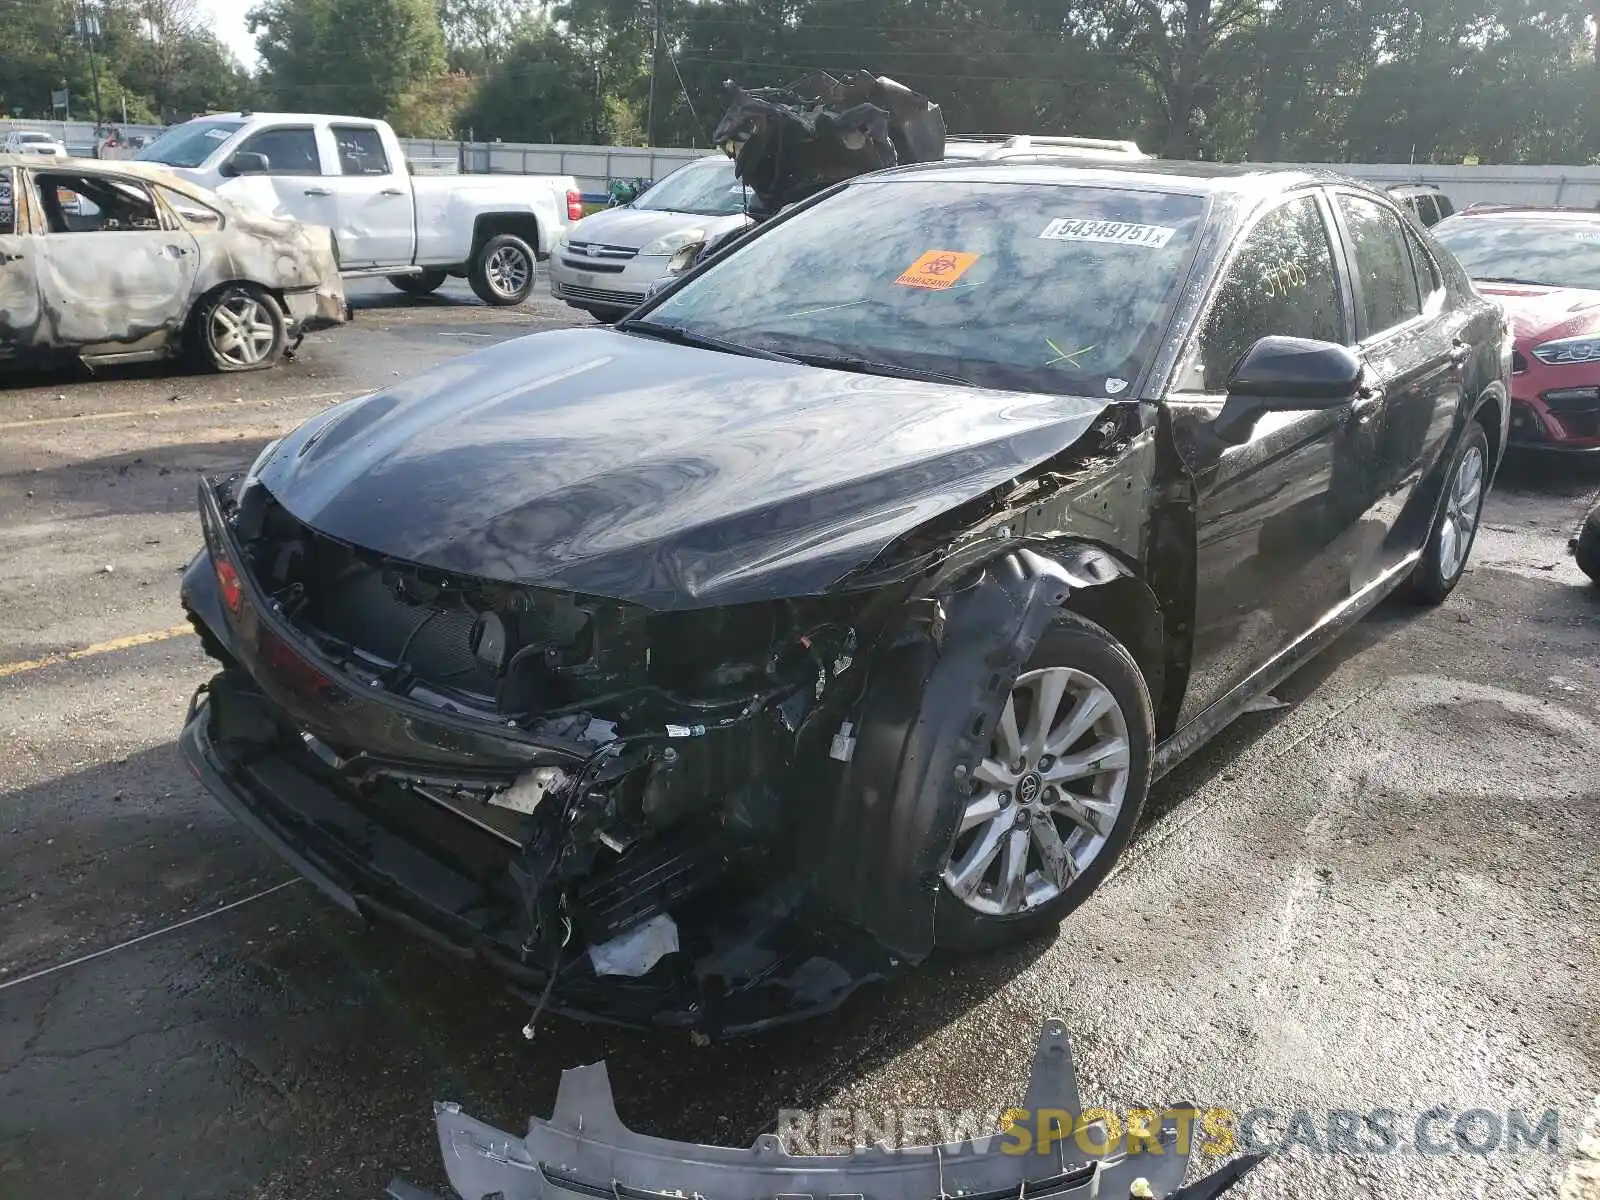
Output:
x=937 y=269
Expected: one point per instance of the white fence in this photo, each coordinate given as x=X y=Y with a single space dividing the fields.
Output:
x=595 y=166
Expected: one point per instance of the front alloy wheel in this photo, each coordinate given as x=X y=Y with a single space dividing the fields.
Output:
x=1444 y=558
x=1058 y=794
x=240 y=328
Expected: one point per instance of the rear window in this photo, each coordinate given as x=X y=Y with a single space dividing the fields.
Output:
x=1549 y=251
x=1037 y=287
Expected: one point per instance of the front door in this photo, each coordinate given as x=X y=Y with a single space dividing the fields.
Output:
x=1279 y=505
x=377 y=224
x=19 y=279
x=114 y=279
x=293 y=184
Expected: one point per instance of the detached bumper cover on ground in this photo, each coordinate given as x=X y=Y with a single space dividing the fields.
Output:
x=585 y=1150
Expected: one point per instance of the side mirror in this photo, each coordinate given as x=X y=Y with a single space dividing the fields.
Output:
x=245 y=162
x=1287 y=374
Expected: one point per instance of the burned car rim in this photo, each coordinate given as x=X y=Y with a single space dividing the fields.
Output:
x=508 y=271
x=1462 y=505
x=1045 y=800
x=241 y=330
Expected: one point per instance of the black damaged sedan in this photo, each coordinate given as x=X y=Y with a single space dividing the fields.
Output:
x=844 y=601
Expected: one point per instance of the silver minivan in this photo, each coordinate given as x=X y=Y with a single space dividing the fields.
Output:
x=608 y=261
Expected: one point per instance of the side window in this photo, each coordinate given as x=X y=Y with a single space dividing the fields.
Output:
x=191 y=212
x=95 y=204
x=8 y=203
x=1428 y=210
x=1282 y=283
x=1445 y=207
x=1384 y=276
x=289 y=149
x=360 y=150
x=1428 y=278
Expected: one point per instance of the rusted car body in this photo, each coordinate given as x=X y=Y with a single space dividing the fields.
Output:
x=121 y=262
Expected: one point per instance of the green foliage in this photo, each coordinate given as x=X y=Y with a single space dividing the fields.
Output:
x=349 y=56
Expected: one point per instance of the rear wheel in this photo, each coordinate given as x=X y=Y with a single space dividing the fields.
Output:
x=238 y=328
x=502 y=274
x=424 y=284
x=1444 y=559
x=1058 y=796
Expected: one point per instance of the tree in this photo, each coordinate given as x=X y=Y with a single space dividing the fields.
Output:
x=477 y=33
x=355 y=56
x=542 y=90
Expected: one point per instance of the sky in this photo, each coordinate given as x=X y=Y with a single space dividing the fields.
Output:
x=227 y=17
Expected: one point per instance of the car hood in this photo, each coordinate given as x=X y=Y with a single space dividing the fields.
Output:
x=637 y=227
x=610 y=464
x=1539 y=314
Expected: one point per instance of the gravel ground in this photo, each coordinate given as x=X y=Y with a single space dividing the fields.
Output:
x=1383 y=896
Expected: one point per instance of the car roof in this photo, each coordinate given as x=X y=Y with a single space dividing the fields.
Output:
x=1400 y=189
x=1171 y=175
x=1578 y=215
x=154 y=172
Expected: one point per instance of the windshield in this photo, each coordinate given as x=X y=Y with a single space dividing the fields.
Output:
x=1555 y=251
x=706 y=189
x=1034 y=287
x=190 y=144
x=34 y=137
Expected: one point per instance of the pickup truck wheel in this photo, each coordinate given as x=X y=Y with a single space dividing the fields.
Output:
x=1058 y=795
x=503 y=273
x=424 y=284
x=238 y=328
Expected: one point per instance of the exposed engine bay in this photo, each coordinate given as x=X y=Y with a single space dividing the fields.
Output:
x=791 y=142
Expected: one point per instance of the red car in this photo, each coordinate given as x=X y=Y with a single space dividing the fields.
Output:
x=1543 y=265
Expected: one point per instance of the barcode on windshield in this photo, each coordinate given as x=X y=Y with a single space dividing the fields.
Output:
x=1123 y=233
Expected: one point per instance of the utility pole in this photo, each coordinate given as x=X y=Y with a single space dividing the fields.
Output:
x=655 y=62
x=94 y=63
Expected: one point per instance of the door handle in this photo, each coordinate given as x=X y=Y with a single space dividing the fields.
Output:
x=177 y=251
x=11 y=257
x=1366 y=402
x=319 y=191
x=392 y=192
x=1460 y=351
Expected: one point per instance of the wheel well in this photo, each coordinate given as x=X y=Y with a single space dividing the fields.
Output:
x=1489 y=415
x=1126 y=608
x=522 y=225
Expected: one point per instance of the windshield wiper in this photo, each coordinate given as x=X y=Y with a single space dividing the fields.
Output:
x=865 y=366
x=686 y=337
x=1511 y=279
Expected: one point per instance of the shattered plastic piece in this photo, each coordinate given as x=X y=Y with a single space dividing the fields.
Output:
x=584 y=1149
x=634 y=953
x=1266 y=702
x=844 y=743
x=526 y=794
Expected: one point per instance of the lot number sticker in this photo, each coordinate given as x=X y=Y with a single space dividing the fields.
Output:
x=937 y=269
x=1121 y=233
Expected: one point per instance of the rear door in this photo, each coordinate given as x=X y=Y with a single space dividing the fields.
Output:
x=19 y=277
x=1276 y=510
x=1407 y=337
x=377 y=223
x=115 y=274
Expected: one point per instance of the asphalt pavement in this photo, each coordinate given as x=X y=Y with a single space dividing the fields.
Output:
x=1383 y=895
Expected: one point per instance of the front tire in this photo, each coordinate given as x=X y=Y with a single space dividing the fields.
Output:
x=1444 y=559
x=424 y=284
x=1058 y=797
x=502 y=274
x=238 y=328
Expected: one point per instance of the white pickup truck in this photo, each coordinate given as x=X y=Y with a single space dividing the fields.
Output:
x=351 y=175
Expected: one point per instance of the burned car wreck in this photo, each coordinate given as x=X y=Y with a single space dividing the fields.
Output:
x=699 y=670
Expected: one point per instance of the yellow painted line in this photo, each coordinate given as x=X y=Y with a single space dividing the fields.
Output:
x=34 y=422
x=122 y=643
